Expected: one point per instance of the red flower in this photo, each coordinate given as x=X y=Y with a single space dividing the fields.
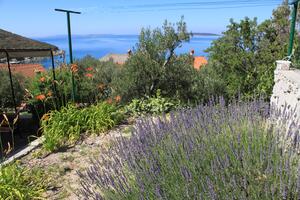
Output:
x=89 y=69
x=40 y=97
x=89 y=75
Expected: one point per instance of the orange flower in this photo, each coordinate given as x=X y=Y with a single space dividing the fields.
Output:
x=109 y=101
x=40 y=97
x=49 y=94
x=89 y=75
x=101 y=86
x=42 y=79
x=118 y=98
x=89 y=69
x=45 y=117
x=74 y=68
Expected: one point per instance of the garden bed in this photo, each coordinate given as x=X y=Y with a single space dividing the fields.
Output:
x=62 y=165
x=210 y=150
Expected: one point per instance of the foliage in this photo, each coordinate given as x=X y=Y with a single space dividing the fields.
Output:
x=5 y=89
x=92 y=84
x=64 y=127
x=151 y=105
x=104 y=71
x=20 y=183
x=103 y=75
x=206 y=84
x=246 y=53
x=46 y=94
x=210 y=152
x=154 y=65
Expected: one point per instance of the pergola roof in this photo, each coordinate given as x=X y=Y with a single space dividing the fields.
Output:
x=19 y=47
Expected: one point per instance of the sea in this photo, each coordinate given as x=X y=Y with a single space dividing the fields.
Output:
x=98 y=46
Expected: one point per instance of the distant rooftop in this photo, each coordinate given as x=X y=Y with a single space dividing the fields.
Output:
x=199 y=61
x=27 y=70
x=116 y=58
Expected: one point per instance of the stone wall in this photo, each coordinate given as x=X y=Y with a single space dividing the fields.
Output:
x=285 y=101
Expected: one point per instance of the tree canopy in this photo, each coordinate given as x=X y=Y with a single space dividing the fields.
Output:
x=246 y=53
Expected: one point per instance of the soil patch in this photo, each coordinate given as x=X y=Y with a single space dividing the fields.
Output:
x=62 y=166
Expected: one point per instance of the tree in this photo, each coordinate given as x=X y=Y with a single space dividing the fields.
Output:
x=154 y=64
x=246 y=53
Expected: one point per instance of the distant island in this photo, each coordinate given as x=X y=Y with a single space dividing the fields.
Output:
x=205 y=34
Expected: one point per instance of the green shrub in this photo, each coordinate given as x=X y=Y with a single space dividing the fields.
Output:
x=64 y=127
x=104 y=72
x=154 y=65
x=207 y=83
x=5 y=89
x=151 y=105
x=92 y=84
x=20 y=183
x=246 y=53
x=43 y=96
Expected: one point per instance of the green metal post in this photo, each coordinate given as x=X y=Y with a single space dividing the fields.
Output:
x=292 y=30
x=69 y=36
x=70 y=47
x=71 y=56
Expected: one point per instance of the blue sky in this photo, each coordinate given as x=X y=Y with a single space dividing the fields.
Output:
x=37 y=18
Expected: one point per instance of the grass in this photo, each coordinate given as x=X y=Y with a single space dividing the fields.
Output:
x=20 y=183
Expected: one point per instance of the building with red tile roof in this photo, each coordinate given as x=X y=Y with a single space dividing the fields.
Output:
x=27 y=70
x=199 y=61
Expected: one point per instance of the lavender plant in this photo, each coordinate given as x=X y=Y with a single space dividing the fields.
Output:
x=210 y=152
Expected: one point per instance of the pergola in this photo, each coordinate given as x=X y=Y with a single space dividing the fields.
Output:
x=16 y=46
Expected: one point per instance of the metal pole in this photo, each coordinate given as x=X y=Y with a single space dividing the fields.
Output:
x=70 y=47
x=292 y=30
x=11 y=82
x=71 y=56
x=69 y=37
x=53 y=74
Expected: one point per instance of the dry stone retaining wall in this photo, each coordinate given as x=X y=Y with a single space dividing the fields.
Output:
x=285 y=101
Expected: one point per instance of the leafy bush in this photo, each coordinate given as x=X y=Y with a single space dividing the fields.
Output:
x=5 y=89
x=210 y=152
x=246 y=53
x=18 y=183
x=43 y=96
x=154 y=65
x=64 y=127
x=207 y=83
x=104 y=72
x=92 y=84
x=151 y=105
